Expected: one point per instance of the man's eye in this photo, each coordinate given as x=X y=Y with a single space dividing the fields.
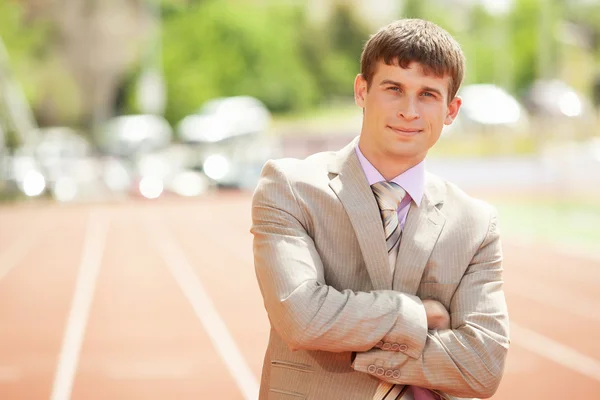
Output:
x=394 y=88
x=428 y=94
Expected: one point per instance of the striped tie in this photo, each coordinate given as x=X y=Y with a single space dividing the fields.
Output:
x=389 y=195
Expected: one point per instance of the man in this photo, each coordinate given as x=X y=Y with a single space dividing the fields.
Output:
x=382 y=281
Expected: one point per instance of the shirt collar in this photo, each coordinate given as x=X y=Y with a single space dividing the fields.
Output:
x=411 y=180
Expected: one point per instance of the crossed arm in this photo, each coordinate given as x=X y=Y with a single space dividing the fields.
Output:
x=466 y=360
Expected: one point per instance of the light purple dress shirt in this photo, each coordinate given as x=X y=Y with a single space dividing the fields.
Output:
x=413 y=182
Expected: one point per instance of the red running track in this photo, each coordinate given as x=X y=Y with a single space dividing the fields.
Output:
x=158 y=300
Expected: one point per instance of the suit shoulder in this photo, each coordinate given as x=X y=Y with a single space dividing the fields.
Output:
x=456 y=197
x=305 y=170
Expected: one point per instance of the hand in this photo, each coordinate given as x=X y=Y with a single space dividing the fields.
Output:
x=437 y=315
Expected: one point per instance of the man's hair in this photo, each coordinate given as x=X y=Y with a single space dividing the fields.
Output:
x=415 y=40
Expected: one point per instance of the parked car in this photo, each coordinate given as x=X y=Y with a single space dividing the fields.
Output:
x=229 y=140
x=167 y=172
x=555 y=98
x=127 y=135
x=68 y=164
x=560 y=111
x=488 y=108
x=223 y=118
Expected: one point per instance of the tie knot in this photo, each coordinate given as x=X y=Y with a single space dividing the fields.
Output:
x=389 y=195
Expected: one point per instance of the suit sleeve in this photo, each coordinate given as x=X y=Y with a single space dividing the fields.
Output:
x=306 y=312
x=468 y=359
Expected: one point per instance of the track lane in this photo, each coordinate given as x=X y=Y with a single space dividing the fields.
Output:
x=34 y=301
x=143 y=340
x=528 y=376
x=216 y=239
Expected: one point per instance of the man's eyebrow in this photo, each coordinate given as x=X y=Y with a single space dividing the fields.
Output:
x=398 y=84
x=390 y=82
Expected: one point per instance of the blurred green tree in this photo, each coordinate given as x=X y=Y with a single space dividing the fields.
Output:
x=25 y=43
x=273 y=52
x=587 y=15
x=416 y=9
x=342 y=37
x=268 y=49
x=535 y=47
x=213 y=50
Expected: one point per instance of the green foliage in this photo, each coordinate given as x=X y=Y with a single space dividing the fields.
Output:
x=478 y=48
x=215 y=50
x=505 y=49
x=415 y=9
x=347 y=32
x=332 y=51
x=530 y=37
x=12 y=140
x=273 y=51
x=587 y=14
x=26 y=45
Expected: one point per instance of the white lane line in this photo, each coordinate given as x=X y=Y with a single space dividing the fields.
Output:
x=19 y=249
x=555 y=351
x=80 y=306
x=559 y=298
x=193 y=289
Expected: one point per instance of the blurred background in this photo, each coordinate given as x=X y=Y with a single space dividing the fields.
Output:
x=143 y=102
x=111 y=99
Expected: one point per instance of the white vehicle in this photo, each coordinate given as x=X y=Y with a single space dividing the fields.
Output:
x=71 y=171
x=488 y=108
x=127 y=135
x=555 y=98
x=223 y=118
x=229 y=140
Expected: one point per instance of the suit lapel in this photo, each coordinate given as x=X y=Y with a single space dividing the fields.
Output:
x=352 y=188
x=421 y=231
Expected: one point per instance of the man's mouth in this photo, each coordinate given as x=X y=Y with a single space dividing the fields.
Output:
x=405 y=131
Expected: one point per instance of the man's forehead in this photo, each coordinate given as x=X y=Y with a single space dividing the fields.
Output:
x=417 y=67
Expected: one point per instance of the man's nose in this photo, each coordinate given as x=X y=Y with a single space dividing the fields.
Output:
x=408 y=109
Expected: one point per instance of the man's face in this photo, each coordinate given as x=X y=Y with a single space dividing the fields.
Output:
x=404 y=113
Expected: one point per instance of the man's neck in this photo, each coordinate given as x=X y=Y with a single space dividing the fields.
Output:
x=388 y=168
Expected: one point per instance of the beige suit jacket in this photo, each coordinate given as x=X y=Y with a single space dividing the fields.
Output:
x=340 y=321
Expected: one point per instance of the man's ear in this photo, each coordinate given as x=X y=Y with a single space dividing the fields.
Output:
x=360 y=90
x=453 y=109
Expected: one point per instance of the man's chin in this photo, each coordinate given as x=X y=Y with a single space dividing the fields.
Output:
x=403 y=152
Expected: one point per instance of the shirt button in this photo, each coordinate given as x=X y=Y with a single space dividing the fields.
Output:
x=403 y=348
x=389 y=373
x=396 y=374
x=371 y=369
x=379 y=344
x=395 y=347
x=380 y=371
x=387 y=346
